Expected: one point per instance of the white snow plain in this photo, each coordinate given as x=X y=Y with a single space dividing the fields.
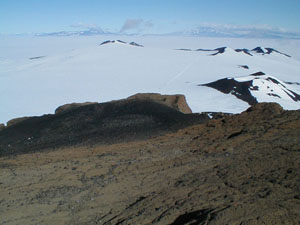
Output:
x=38 y=74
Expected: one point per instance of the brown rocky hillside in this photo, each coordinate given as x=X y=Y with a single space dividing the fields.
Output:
x=160 y=167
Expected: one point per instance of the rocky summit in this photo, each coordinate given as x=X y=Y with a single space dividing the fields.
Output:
x=139 y=161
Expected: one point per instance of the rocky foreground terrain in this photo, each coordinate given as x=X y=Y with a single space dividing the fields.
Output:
x=138 y=161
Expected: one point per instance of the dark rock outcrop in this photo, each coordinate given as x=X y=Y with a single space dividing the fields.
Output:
x=177 y=102
x=136 y=118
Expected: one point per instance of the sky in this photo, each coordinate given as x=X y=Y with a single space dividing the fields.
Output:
x=147 y=16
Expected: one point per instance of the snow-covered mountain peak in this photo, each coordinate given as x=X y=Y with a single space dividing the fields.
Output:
x=113 y=42
x=259 y=87
x=121 y=42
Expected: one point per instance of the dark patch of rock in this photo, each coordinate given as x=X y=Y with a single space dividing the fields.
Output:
x=258 y=74
x=244 y=67
x=136 y=44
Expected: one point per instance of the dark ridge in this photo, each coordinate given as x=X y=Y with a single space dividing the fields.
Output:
x=205 y=50
x=122 y=41
x=258 y=74
x=136 y=44
x=37 y=57
x=296 y=83
x=270 y=50
x=104 y=123
x=238 y=89
x=274 y=81
x=296 y=97
x=246 y=51
x=184 y=49
x=244 y=67
x=218 y=50
x=107 y=42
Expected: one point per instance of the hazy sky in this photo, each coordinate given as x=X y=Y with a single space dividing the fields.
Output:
x=149 y=16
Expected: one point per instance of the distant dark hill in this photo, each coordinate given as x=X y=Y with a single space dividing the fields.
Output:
x=239 y=89
x=247 y=87
x=105 y=123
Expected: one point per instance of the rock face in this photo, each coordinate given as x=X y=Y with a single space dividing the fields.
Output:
x=177 y=102
x=71 y=106
x=237 y=169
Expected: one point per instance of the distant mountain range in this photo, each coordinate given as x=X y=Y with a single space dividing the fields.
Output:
x=241 y=32
x=200 y=31
x=221 y=50
x=74 y=33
